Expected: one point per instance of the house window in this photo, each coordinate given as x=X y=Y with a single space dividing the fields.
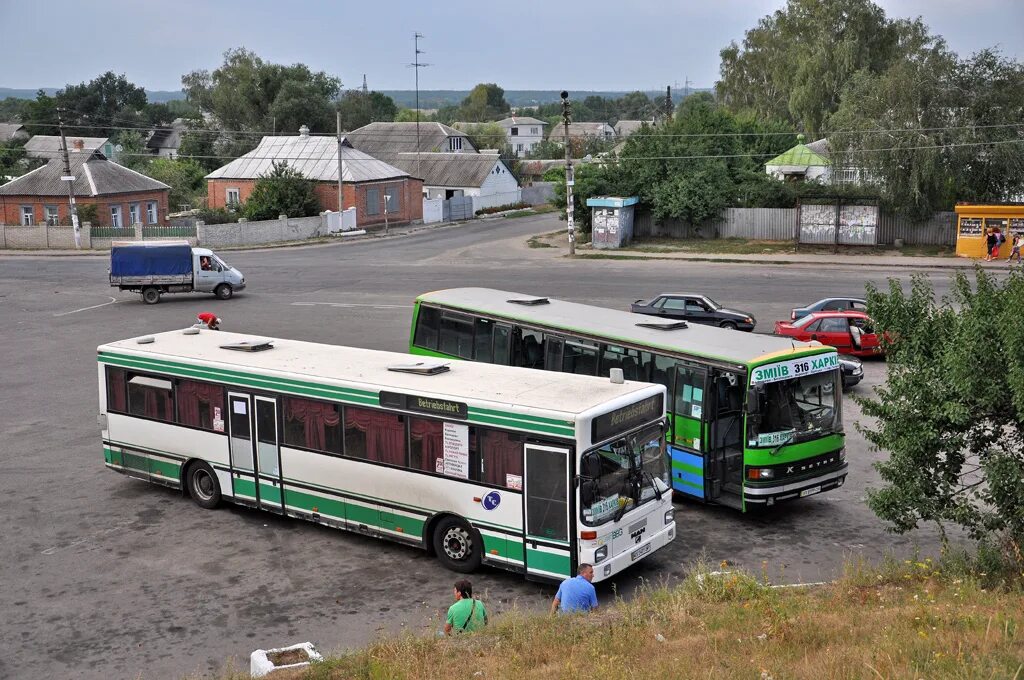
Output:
x=52 y=215
x=115 y=216
x=373 y=201
x=28 y=216
x=534 y=131
x=519 y=148
x=151 y=212
x=392 y=199
x=233 y=197
x=515 y=132
x=455 y=143
x=135 y=213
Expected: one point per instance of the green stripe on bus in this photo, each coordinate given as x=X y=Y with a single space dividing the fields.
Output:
x=243 y=487
x=166 y=469
x=556 y=564
x=509 y=422
x=692 y=485
x=679 y=465
x=270 y=494
x=253 y=381
x=135 y=461
x=519 y=416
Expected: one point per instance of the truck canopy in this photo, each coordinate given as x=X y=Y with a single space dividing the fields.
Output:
x=172 y=259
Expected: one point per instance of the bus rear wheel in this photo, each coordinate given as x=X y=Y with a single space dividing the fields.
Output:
x=203 y=486
x=457 y=545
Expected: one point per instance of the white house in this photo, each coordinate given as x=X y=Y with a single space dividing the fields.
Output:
x=812 y=162
x=523 y=133
x=483 y=176
x=582 y=130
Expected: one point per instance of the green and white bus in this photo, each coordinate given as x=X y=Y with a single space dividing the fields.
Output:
x=478 y=464
x=755 y=419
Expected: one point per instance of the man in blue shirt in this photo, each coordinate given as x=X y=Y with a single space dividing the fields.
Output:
x=576 y=594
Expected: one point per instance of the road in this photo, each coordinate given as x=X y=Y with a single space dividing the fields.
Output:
x=104 y=576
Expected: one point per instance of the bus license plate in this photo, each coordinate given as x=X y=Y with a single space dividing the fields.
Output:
x=639 y=552
x=810 y=492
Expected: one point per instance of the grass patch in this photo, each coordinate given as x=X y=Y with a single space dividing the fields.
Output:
x=742 y=246
x=905 y=619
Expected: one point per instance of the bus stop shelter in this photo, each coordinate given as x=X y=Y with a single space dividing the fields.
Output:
x=975 y=220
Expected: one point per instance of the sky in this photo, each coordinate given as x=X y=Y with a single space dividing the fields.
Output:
x=565 y=44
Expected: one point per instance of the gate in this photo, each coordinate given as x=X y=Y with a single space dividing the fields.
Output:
x=458 y=208
x=837 y=224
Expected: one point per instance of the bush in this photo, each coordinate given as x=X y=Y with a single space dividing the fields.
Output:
x=215 y=215
x=282 y=191
x=502 y=208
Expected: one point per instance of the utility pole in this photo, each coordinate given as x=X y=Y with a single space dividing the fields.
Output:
x=70 y=179
x=341 y=167
x=417 y=65
x=569 y=181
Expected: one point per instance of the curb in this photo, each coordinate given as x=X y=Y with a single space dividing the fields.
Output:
x=966 y=265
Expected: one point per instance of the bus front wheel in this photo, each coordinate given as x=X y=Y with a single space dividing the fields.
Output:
x=203 y=486
x=457 y=545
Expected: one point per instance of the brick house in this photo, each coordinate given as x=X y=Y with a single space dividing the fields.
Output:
x=366 y=180
x=122 y=197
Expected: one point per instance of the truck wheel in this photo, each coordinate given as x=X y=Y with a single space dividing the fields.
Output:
x=457 y=546
x=223 y=291
x=151 y=295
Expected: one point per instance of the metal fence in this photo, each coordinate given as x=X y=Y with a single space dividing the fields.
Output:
x=183 y=231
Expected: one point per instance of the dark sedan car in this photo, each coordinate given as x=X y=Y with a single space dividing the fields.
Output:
x=694 y=309
x=853 y=370
x=832 y=304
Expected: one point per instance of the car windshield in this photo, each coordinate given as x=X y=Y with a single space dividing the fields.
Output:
x=798 y=409
x=623 y=474
x=222 y=263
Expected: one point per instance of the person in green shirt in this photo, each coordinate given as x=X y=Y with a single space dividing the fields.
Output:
x=468 y=613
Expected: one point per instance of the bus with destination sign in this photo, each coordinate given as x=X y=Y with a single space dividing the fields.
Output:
x=478 y=464
x=754 y=419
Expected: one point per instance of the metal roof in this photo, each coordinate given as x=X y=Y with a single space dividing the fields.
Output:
x=519 y=120
x=625 y=128
x=505 y=387
x=48 y=146
x=94 y=176
x=8 y=131
x=387 y=140
x=729 y=346
x=315 y=157
x=800 y=156
x=450 y=169
x=582 y=130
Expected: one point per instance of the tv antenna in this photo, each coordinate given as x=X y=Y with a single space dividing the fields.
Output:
x=417 y=65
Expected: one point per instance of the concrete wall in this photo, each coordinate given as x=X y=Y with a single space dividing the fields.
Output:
x=258 y=233
x=539 y=193
x=42 y=237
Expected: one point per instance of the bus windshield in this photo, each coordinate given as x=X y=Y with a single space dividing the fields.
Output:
x=623 y=474
x=798 y=409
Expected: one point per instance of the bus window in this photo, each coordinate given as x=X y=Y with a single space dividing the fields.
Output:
x=150 y=398
x=374 y=435
x=553 y=354
x=483 y=341
x=531 y=349
x=310 y=424
x=689 y=392
x=427 y=324
x=456 y=335
x=579 y=357
x=426 y=445
x=199 y=404
x=117 y=400
x=662 y=370
x=634 y=363
x=502 y=344
x=501 y=459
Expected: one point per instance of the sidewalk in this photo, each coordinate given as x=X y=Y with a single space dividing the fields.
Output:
x=882 y=261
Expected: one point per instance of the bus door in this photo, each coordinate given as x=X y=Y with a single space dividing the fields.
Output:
x=725 y=437
x=546 y=545
x=689 y=469
x=255 y=459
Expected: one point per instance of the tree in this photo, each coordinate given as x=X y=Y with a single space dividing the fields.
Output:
x=41 y=115
x=282 y=191
x=358 y=108
x=794 y=64
x=486 y=136
x=133 y=152
x=485 y=102
x=245 y=93
x=951 y=412
x=185 y=177
x=13 y=110
x=102 y=105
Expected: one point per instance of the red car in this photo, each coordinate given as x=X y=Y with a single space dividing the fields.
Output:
x=849 y=332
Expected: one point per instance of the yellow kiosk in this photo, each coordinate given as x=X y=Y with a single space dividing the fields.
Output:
x=974 y=221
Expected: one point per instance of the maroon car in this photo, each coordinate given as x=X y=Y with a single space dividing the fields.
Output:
x=849 y=332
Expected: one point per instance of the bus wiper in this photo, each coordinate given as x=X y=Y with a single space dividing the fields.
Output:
x=792 y=435
x=654 y=485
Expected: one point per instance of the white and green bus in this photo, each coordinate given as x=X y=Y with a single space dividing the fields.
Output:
x=755 y=419
x=478 y=464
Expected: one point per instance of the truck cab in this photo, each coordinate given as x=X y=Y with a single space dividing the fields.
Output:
x=211 y=274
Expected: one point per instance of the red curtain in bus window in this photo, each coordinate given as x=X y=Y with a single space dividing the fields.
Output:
x=158 y=404
x=117 y=395
x=385 y=434
x=196 y=403
x=315 y=417
x=503 y=459
x=427 y=443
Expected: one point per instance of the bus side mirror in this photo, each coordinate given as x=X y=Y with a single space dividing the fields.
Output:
x=755 y=395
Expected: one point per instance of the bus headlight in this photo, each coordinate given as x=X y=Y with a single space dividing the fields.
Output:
x=760 y=473
x=670 y=516
x=600 y=554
